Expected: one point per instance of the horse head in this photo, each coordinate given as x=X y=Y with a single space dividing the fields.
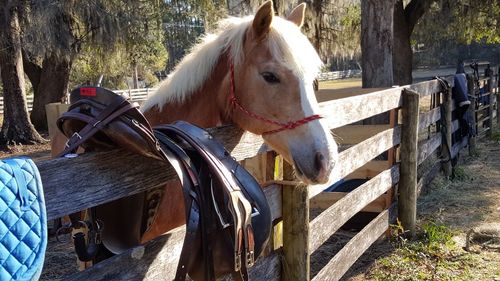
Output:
x=272 y=94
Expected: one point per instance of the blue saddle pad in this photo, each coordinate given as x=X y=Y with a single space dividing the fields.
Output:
x=23 y=220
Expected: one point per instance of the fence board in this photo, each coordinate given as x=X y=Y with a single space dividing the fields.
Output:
x=369 y=170
x=352 y=134
x=427 y=147
x=329 y=221
x=157 y=260
x=358 y=155
x=325 y=200
x=427 y=88
x=116 y=180
x=346 y=257
x=360 y=107
x=458 y=146
x=428 y=118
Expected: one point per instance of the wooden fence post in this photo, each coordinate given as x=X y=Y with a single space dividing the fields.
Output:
x=471 y=88
x=488 y=73
x=295 y=230
x=447 y=118
x=497 y=90
x=407 y=206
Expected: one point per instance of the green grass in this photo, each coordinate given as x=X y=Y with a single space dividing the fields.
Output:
x=495 y=135
x=433 y=255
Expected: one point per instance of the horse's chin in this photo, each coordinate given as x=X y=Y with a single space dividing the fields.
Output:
x=312 y=179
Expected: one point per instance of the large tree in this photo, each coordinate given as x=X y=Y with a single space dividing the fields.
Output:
x=55 y=31
x=16 y=127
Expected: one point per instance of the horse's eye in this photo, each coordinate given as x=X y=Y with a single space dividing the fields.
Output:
x=270 y=77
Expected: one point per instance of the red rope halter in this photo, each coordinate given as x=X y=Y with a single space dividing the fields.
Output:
x=282 y=126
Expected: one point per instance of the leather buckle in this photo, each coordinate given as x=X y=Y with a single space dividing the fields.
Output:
x=74 y=134
x=250 y=258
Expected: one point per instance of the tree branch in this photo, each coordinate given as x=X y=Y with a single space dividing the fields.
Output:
x=415 y=10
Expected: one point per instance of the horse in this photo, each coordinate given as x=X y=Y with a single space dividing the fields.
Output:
x=256 y=73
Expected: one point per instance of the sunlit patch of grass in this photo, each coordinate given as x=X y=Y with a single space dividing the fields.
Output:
x=460 y=174
x=432 y=256
x=495 y=135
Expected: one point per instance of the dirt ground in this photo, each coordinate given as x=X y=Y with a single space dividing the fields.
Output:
x=465 y=204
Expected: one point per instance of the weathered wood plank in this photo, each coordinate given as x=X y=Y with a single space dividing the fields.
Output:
x=369 y=170
x=448 y=131
x=96 y=178
x=346 y=257
x=427 y=88
x=353 y=134
x=428 y=118
x=358 y=155
x=296 y=232
x=329 y=221
x=325 y=200
x=333 y=94
x=427 y=147
x=409 y=161
x=157 y=260
x=428 y=177
x=349 y=110
x=91 y=179
x=458 y=146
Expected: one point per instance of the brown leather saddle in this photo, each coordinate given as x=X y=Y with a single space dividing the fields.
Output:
x=228 y=219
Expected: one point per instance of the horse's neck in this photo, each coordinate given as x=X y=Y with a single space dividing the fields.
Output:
x=204 y=108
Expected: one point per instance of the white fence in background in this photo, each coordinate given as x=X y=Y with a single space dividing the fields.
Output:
x=138 y=95
x=334 y=75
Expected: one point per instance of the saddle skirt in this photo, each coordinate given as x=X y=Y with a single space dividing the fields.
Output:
x=228 y=217
x=23 y=220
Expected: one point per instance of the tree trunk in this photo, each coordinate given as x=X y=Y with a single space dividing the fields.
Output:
x=377 y=43
x=402 y=59
x=16 y=126
x=50 y=84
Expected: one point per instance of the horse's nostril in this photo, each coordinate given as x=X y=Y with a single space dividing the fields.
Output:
x=320 y=162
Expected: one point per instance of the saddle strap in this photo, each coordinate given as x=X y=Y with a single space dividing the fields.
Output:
x=190 y=183
x=239 y=206
x=93 y=124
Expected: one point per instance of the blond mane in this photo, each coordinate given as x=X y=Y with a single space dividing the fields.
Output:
x=285 y=40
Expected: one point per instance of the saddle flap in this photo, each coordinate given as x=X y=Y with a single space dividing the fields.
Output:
x=241 y=192
x=23 y=220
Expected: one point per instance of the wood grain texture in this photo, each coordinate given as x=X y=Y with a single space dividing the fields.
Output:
x=353 y=134
x=329 y=221
x=448 y=131
x=427 y=178
x=346 y=257
x=428 y=118
x=349 y=110
x=427 y=88
x=369 y=170
x=458 y=146
x=360 y=154
x=407 y=202
x=427 y=147
x=325 y=200
x=296 y=232
x=157 y=260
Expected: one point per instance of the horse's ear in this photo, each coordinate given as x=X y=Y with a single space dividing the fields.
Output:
x=297 y=15
x=262 y=20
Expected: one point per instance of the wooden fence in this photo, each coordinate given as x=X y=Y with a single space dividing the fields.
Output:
x=95 y=178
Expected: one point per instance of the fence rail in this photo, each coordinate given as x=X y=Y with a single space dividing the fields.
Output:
x=158 y=259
